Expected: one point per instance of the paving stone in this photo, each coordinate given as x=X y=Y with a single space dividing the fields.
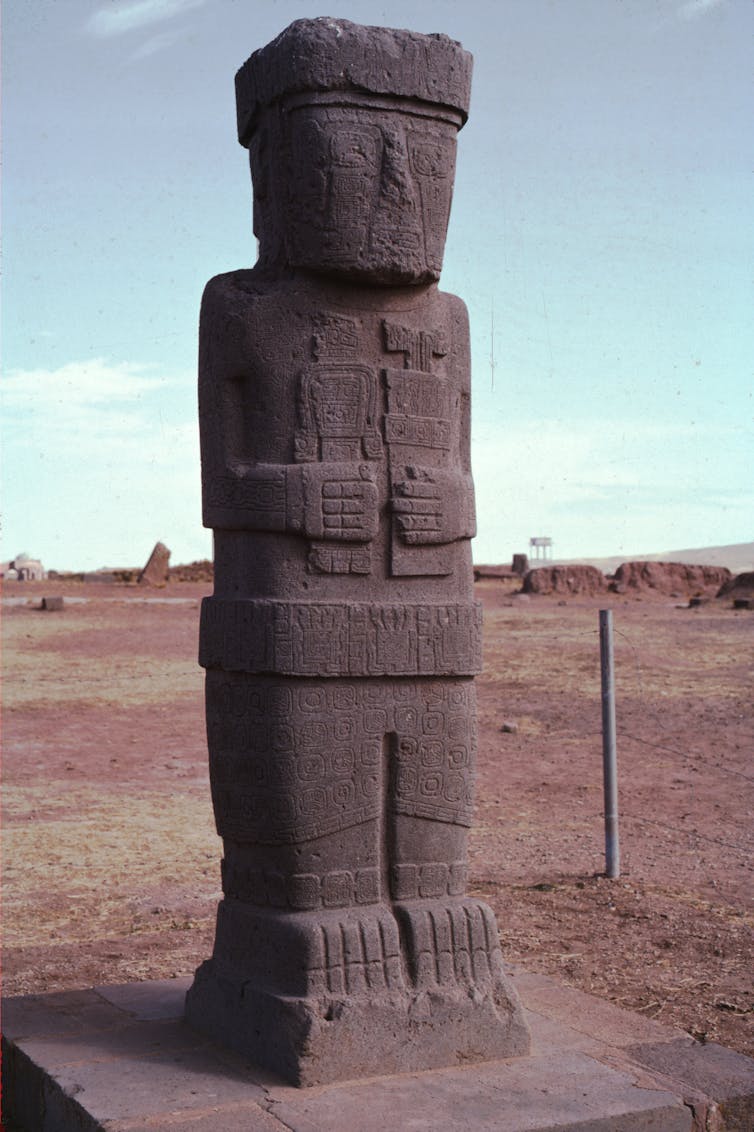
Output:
x=153 y=1000
x=64 y=1012
x=140 y=1039
x=725 y=1077
x=588 y=1015
x=568 y=1092
x=151 y=1074
x=221 y=1118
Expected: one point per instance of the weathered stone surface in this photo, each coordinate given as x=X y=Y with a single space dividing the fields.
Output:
x=336 y=55
x=155 y=573
x=342 y=637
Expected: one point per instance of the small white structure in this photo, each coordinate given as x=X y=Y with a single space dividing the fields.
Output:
x=23 y=568
x=542 y=547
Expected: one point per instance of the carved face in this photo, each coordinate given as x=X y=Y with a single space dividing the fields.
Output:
x=368 y=191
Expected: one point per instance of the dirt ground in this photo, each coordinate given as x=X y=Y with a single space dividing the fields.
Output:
x=111 y=863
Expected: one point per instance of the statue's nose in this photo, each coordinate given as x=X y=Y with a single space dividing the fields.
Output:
x=397 y=182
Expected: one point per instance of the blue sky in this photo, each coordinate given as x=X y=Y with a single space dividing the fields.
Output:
x=601 y=236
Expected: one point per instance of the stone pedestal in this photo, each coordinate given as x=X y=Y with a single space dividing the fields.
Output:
x=322 y=997
x=119 y=1059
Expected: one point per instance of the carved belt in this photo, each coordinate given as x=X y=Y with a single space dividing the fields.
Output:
x=341 y=639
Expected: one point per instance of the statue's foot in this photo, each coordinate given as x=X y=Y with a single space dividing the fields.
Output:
x=322 y=996
x=451 y=942
x=327 y=952
x=360 y=951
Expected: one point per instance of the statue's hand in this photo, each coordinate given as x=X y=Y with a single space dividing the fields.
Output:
x=432 y=505
x=418 y=507
x=340 y=502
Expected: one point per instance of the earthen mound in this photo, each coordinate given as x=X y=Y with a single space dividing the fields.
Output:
x=741 y=587
x=669 y=578
x=200 y=571
x=565 y=580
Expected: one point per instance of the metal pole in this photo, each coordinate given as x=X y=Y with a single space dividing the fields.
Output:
x=609 y=758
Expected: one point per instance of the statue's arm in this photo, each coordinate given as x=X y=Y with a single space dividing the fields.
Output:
x=331 y=501
x=335 y=502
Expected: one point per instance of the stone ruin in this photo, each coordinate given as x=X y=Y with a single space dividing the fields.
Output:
x=672 y=578
x=577 y=579
x=157 y=570
x=342 y=638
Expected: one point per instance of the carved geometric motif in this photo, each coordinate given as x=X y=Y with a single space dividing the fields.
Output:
x=262 y=502
x=281 y=783
x=419 y=347
x=337 y=409
x=342 y=888
x=335 y=338
x=330 y=638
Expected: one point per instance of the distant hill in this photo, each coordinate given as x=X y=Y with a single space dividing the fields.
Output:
x=738 y=557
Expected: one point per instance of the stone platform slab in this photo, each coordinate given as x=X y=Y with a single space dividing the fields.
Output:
x=120 y=1059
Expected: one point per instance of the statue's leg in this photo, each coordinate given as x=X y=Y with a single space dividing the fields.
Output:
x=324 y=967
x=297 y=783
x=449 y=939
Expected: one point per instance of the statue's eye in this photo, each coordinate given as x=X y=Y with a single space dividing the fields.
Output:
x=353 y=149
x=428 y=160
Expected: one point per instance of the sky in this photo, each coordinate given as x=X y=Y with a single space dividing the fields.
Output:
x=601 y=235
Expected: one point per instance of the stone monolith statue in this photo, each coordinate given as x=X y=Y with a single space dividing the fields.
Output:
x=342 y=637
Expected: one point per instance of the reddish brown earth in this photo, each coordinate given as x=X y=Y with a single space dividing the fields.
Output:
x=111 y=863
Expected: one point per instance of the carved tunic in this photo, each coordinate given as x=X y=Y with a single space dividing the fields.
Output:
x=335 y=449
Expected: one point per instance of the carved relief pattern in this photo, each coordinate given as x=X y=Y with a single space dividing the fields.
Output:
x=433 y=165
x=262 y=501
x=324 y=558
x=333 y=638
x=342 y=733
x=419 y=347
x=335 y=338
x=302 y=892
x=337 y=410
x=327 y=951
x=418 y=410
x=300 y=759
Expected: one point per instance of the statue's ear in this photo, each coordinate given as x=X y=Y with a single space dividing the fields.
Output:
x=259 y=160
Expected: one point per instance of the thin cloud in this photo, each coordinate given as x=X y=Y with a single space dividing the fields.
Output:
x=695 y=9
x=157 y=43
x=113 y=20
x=76 y=384
x=85 y=410
x=101 y=459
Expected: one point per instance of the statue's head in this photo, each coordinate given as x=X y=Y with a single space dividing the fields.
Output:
x=352 y=134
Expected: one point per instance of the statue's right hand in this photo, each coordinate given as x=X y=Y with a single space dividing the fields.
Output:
x=340 y=502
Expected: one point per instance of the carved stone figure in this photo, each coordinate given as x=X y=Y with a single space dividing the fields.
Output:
x=342 y=637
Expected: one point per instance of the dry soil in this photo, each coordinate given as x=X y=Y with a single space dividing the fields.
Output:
x=111 y=862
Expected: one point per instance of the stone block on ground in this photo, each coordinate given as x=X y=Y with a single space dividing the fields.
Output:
x=156 y=571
